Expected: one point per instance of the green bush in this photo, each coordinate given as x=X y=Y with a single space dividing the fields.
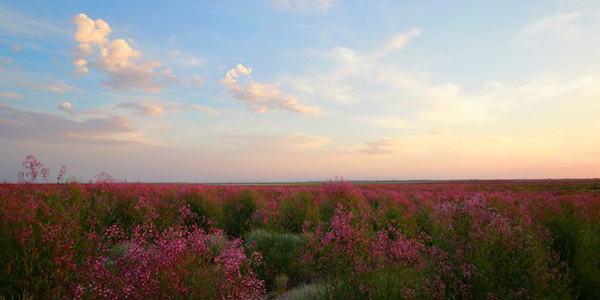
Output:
x=306 y=292
x=281 y=256
x=237 y=212
x=389 y=283
x=577 y=241
x=206 y=208
x=295 y=211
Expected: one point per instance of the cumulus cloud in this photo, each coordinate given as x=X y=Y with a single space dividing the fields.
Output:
x=10 y=95
x=382 y=146
x=262 y=97
x=67 y=107
x=16 y=124
x=124 y=67
x=81 y=66
x=302 y=6
x=90 y=32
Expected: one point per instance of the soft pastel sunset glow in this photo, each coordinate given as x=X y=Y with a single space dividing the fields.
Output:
x=297 y=90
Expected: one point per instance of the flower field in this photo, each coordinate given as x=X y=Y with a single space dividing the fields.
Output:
x=338 y=240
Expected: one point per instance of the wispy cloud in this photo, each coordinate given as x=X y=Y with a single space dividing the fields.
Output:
x=59 y=86
x=381 y=146
x=68 y=108
x=345 y=70
x=262 y=97
x=296 y=141
x=10 y=95
x=392 y=122
x=144 y=109
x=15 y=48
x=16 y=24
x=186 y=60
x=302 y=6
x=557 y=23
x=396 y=43
x=17 y=124
x=160 y=109
x=360 y=80
x=203 y=109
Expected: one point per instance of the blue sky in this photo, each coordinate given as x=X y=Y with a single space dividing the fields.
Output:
x=283 y=90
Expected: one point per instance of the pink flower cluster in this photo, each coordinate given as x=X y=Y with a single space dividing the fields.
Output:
x=179 y=262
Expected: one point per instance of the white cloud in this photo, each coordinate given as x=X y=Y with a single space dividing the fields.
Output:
x=196 y=81
x=16 y=24
x=159 y=109
x=16 y=124
x=68 y=108
x=124 y=66
x=392 y=122
x=144 y=109
x=90 y=31
x=202 y=109
x=381 y=146
x=557 y=23
x=59 y=87
x=262 y=97
x=297 y=141
x=10 y=95
x=438 y=132
x=397 y=42
x=359 y=81
x=81 y=66
x=349 y=59
x=193 y=61
x=495 y=101
x=302 y=6
x=339 y=84
x=188 y=61
x=15 y=48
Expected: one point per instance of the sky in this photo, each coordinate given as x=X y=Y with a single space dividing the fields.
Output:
x=299 y=90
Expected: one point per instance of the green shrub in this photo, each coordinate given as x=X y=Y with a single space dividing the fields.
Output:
x=237 y=212
x=296 y=211
x=281 y=255
x=306 y=292
x=206 y=208
x=389 y=283
x=577 y=242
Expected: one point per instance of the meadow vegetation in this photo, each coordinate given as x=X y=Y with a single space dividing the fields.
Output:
x=469 y=240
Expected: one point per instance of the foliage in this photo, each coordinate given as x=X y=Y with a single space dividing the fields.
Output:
x=476 y=240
